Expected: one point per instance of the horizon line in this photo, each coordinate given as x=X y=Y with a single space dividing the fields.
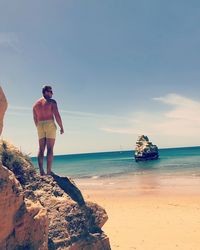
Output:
x=113 y=151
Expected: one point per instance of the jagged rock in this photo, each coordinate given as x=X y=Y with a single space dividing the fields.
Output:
x=23 y=223
x=70 y=188
x=10 y=202
x=3 y=107
x=145 y=150
x=73 y=224
x=68 y=221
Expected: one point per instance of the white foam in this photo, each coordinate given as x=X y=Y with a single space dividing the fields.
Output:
x=95 y=177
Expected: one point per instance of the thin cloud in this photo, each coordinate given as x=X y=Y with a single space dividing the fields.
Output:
x=78 y=114
x=93 y=115
x=175 y=99
x=18 y=108
x=19 y=111
x=128 y=131
x=183 y=108
x=10 y=40
x=183 y=119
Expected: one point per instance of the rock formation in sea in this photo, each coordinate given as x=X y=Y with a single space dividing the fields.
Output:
x=3 y=107
x=44 y=212
x=145 y=150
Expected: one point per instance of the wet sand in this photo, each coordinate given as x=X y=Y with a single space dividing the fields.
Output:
x=149 y=213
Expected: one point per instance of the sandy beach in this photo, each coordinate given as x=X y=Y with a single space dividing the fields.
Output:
x=149 y=217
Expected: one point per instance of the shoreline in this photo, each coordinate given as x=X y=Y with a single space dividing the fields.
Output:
x=144 y=184
x=162 y=215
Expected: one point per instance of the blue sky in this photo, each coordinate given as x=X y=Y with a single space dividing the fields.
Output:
x=118 y=69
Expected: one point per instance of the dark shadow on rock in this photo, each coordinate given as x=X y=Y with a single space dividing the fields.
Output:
x=51 y=245
x=70 y=188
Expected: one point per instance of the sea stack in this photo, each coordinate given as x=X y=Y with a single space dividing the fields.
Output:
x=145 y=150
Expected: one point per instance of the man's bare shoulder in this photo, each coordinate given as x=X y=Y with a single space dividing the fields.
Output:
x=53 y=101
x=38 y=103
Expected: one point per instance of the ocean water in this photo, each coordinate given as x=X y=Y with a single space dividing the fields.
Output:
x=172 y=162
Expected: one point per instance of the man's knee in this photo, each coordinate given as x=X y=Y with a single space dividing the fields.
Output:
x=41 y=152
x=50 y=151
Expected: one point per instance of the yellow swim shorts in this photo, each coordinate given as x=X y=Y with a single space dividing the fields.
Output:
x=46 y=129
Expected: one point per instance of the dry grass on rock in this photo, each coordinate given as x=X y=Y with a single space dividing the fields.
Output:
x=13 y=159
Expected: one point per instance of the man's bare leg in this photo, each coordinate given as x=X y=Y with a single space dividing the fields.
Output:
x=50 y=145
x=42 y=145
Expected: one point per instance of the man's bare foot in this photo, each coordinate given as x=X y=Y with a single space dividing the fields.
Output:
x=42 y=173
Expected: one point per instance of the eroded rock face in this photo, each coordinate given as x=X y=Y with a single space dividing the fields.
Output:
x=23 y=223
x=48 y=212
x=145 y=150
x=11 y=194
x=73 y=223
x=3 y=107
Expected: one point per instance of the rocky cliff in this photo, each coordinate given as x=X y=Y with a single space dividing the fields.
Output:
x=3 y=107
x=49 y=212
x=145 y=150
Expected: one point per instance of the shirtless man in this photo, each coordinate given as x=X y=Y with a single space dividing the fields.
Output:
x=44 y=112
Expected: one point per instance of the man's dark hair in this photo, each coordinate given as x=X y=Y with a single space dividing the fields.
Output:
x=46 y=88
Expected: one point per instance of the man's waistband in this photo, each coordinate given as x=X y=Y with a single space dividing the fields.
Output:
x=46 y=121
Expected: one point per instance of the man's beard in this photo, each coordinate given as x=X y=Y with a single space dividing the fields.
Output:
x=47 y=98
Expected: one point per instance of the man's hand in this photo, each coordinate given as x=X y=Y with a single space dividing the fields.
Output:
x=61 y=131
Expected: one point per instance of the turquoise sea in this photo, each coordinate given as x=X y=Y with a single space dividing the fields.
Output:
x=172 y=162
